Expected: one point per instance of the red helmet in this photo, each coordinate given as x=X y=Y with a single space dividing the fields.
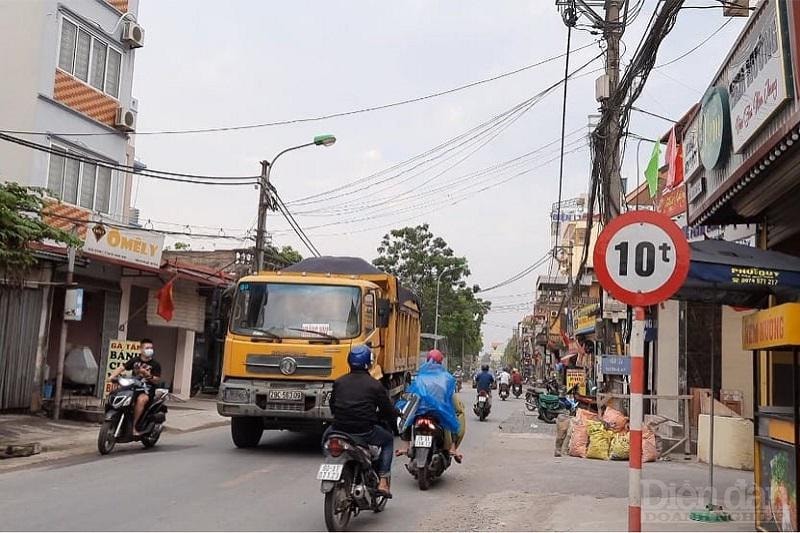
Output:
x=435 y=356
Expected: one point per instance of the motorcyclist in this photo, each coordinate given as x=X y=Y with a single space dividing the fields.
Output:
x=484 y=381
x=145 y=367
x=359 y=403
x=504 y=378
x=451 y=439
x=459 y=375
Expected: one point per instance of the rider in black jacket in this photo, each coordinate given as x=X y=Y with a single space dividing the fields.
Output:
x=359 y=403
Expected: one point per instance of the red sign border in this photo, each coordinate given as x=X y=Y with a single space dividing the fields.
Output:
x=671 y=286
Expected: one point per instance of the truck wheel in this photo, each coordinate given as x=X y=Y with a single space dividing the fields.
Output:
x=246 y=431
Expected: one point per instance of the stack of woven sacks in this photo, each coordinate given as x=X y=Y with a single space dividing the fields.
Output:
x=587 y=435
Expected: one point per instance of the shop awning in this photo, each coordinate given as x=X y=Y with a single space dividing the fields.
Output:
x=727 y=273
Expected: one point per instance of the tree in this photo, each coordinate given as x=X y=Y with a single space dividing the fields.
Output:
x=418 y=258
x=21 y=225
x=511 y=352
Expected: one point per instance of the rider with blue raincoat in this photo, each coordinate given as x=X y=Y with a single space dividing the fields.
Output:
x=435 y=387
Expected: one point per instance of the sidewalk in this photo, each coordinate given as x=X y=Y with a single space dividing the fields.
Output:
x=65 y=438
x=523 y=487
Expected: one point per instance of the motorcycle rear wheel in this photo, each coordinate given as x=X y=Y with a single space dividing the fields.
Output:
x=106 y=439
x=424 y=478
x=482 y=416
x=150 y=440
x=338 y=508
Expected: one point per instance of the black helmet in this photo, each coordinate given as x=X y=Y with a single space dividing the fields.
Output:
x=485 y=368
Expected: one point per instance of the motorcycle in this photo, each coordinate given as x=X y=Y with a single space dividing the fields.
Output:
x=537 y=389
x=503 y=391
x=118 y=423
x=516 y=389
x=551 y=405
x=429 y=458
x=482 y=405
x=348 y=479
x=459 y=383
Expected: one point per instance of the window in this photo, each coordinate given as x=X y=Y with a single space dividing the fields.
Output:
x=89 y=59
x=74 y=182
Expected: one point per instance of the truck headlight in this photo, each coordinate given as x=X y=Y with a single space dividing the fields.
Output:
x=236 y=395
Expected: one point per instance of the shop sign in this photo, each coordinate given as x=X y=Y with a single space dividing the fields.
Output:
x=715 y=128
x=615 y=364
x=139 y=247
x=672 y=202
x=758 y=85
x=691 y=149
x=695 y=188
x=771 y=328
x=577 y=376
x=586 y=317
x=650 y=329
x=119 y=352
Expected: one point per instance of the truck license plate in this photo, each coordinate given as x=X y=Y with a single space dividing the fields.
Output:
x=423 y=441
x=329 y=472
x=286 y=395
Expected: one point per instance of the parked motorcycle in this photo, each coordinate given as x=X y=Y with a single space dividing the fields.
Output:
x=118 y=423
x=551 y=405
x=429 y=458
x=538 y=388
x=348 y=479
x=516 y=389
x=482 y=405
x=503 y=391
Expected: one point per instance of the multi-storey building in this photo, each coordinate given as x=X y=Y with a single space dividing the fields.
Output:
x=69 y=72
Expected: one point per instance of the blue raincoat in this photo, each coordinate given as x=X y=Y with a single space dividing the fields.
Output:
x=435 y=387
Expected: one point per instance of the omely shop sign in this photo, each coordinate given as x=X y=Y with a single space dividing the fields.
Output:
x=124 y=244
x=758 y=85
x=715 y=128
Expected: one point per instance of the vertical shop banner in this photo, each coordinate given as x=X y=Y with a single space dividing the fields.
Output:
x=119 y=351
x=577 y=376
x=777 y=487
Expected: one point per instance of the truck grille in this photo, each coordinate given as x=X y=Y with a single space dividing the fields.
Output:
x=270 y=365
x=305 y=405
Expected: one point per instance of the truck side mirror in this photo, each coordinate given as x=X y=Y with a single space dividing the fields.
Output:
x=384 y=308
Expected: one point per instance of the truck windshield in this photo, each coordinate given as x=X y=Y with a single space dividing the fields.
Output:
x=289 y=310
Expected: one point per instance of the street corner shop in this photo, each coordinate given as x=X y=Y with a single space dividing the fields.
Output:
x=744 y=153
x=118 y=271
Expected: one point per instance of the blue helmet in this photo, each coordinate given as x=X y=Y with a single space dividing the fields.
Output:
x=360 y=357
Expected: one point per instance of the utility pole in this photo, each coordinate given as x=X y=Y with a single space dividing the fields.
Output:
x=62 y=340
x=263 y=205
x=614 y=26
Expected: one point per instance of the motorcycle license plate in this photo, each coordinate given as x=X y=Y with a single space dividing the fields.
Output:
x=329 y=472
x=286 y=395
x=482 y=399
x=423 y=441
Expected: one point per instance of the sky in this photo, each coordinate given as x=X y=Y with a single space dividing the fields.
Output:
x=266 y=61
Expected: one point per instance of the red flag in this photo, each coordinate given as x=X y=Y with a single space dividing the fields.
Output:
x=674 y=160
x=165 y=304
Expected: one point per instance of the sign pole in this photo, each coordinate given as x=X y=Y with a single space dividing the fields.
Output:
x=637 y=415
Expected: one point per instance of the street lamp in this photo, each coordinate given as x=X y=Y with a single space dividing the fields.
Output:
x=436 y=318
x=263 y=203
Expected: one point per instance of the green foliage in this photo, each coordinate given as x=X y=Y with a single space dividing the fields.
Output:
x=511 y=352
x=181 y=246
x=289 y=255
x=417 y=258
x=21 y=225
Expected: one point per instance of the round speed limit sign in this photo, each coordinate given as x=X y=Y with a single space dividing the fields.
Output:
x=641 y=258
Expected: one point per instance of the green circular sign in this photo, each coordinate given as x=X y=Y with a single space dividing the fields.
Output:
x=715 y=128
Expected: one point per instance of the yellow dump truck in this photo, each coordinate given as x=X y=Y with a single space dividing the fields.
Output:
x=289 y=334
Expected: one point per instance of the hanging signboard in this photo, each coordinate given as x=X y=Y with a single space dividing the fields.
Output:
x=758 y=86
x=119 y=352
x=672 y=202
x=691 y=149
x=139 y=247
x=617 y=365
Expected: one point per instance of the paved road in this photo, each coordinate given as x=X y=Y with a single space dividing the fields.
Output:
x=199 y=481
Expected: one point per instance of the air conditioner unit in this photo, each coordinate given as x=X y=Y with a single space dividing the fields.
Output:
x=125 y=119
x=133 y=35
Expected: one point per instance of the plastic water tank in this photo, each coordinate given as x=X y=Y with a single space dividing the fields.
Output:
x=80 y=366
